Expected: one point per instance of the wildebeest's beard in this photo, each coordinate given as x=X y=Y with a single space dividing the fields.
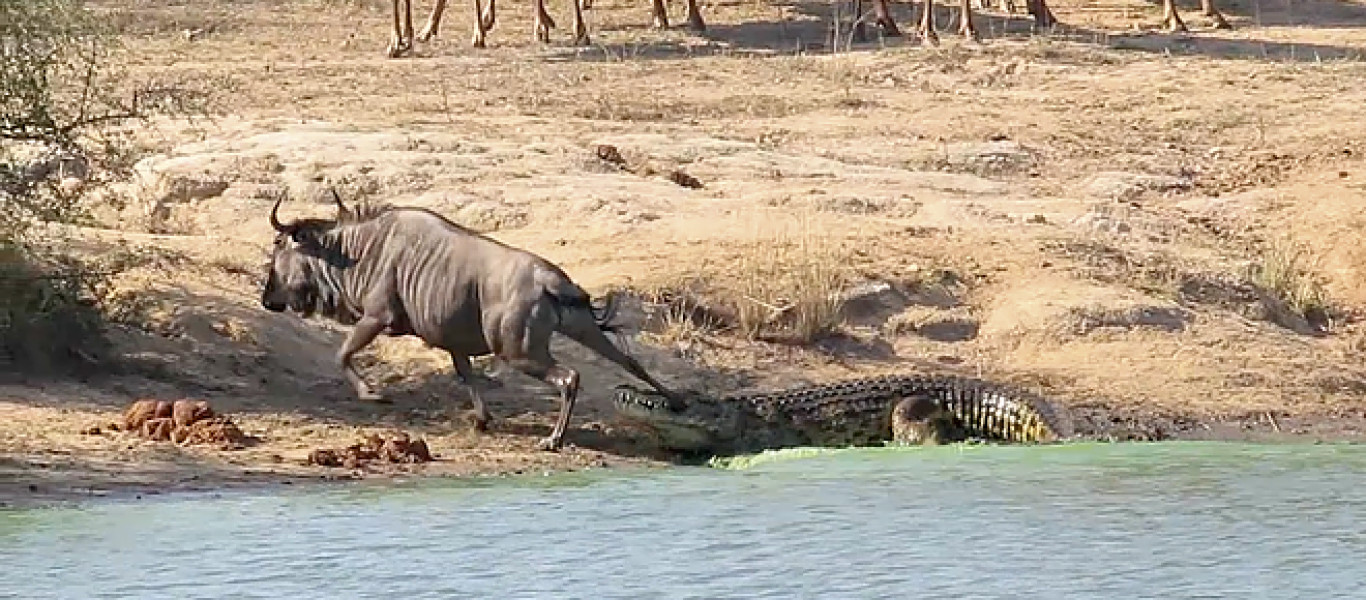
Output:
x=314 y=287
x=291 y=283
x=304 y=300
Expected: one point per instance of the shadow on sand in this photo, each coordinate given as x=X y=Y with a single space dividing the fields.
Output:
x=285 y=366
x=812 y=32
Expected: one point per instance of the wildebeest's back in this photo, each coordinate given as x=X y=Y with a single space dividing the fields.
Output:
x=450 y=282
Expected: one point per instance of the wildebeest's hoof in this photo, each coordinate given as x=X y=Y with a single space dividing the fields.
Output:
x=373 y=397
x=478 y=423
x=549 y=444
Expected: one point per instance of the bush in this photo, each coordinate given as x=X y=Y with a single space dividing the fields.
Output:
x=785 y=285
x=48 y=318
x=62 y=100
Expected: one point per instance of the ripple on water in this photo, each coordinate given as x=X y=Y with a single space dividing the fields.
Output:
x=1138 y=520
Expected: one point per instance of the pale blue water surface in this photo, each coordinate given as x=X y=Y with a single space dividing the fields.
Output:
x=1169 y=520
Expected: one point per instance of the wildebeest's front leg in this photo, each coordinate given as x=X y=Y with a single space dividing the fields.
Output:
x=464 y=373
x=364 y=332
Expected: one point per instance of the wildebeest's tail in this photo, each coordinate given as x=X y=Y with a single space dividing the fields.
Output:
x=611 y=302
x=582 y=323
x=567 y=294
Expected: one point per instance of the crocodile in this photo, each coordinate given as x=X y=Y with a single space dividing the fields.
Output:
x=904 y=409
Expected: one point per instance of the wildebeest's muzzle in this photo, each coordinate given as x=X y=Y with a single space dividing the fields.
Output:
x=298 y=297
x=270 y=296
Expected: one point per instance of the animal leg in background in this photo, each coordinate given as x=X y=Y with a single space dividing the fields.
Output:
x=364 y=332
x=661 y=14
x=433 y=25
x=543 y=23
x=401 y=42
x=483 y=22
x=464 y=373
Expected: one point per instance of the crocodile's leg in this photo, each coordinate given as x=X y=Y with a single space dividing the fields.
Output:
x=921 y=420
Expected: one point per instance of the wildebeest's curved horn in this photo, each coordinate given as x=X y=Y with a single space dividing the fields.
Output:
x=341 y=206
x=275 y=218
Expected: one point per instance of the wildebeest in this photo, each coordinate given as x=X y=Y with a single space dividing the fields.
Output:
x=410 y=271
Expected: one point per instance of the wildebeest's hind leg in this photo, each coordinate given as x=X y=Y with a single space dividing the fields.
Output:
x=433 y=22
x=522 y=341
x=565 y=379
x=464 y=373
x=364 y=332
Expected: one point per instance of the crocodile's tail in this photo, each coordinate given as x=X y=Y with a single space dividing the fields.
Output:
x=991 y=411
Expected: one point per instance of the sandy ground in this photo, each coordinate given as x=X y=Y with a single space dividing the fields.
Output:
x=1084 y=214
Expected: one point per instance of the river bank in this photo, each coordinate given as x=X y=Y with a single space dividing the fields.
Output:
x=1103 y=218
x=59 y=466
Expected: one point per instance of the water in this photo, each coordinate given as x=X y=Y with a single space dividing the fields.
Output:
x=1171 y=520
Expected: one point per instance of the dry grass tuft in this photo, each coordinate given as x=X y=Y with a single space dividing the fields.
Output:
x=685 y=318
x=789 y=284
x=1288 y=270
x=784 y=283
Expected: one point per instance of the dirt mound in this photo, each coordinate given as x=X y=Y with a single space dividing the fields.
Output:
x=183 y=422
x=610 y=158
x=395 y=448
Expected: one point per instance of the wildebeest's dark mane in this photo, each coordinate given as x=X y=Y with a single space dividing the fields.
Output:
x=365 y=211
x=360 y=213
x=368 y=211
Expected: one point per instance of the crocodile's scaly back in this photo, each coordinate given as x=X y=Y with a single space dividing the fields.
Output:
x=989 y=411
x=857 y=412
x=860 y=411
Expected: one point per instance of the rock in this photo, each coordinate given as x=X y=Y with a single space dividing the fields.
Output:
x=162 y=182
x=610 y=154
x=324 y=458
x=142 y=411
x=871 y=303
x=216 y=431
x=680 y=178
x=1120 y=186
x=184 y=422
x=396 y=448
x=186 y=412
x=1102 y=222
x=58 y=164
x=157 y=430
x=1001 y=156
x=491 y=216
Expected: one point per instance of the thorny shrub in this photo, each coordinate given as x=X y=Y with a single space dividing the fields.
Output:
x=64 y=107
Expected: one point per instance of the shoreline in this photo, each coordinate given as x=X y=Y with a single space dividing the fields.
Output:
x=68 y=477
